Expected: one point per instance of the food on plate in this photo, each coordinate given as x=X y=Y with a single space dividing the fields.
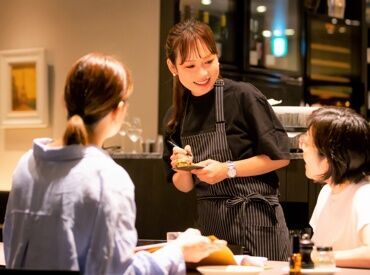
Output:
x=187 y=165
x=183 y=162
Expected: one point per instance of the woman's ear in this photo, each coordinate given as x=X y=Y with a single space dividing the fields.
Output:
x=171 y=67
x=120 y=111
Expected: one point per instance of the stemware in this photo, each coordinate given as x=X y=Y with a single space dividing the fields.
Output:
x=134 y=132
x=124 y=128
x=123 y=133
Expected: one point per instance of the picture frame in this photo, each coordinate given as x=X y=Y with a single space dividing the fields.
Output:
x=24 y=101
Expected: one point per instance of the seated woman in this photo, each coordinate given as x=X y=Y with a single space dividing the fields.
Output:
x=336 y=151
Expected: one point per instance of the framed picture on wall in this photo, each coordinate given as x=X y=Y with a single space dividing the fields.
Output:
x=23 y=88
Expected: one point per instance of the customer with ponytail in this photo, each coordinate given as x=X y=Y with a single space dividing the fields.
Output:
x=71 y=207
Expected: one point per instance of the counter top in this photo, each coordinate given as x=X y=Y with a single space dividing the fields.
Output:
x=122 y=155
x=116 y=154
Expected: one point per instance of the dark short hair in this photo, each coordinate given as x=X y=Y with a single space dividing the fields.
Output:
x=343 y=137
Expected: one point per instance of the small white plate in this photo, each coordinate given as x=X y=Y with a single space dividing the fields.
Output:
x=251 y=260
x=229 y=269
x=316 y=271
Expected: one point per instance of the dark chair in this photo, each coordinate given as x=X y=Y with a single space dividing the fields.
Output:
x=3 y=201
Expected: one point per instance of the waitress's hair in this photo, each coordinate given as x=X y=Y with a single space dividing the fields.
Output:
x=342 y=136
x=182 y=42
x=95 y=85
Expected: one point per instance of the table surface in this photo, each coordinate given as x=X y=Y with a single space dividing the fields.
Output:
x=280 y=268
x=2 y=259
x=274 y=267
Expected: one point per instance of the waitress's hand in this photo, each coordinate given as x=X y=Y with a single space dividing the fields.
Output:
x=195 y=247
x=213 y=172
x=179 y=153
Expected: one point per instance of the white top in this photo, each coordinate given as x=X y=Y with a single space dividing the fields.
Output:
x=338 y=218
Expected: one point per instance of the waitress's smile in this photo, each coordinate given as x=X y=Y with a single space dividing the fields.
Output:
x=203 y=83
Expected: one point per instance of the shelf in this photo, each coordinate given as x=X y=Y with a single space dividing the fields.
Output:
x=328 y=94
x=331 y=63
x=330 y=48
x=324 y=77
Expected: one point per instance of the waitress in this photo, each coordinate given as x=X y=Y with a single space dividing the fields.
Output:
x=229 y=128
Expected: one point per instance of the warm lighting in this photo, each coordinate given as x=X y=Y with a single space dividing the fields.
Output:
x=266 y=33
x=342 y=30
x=261 y=9
x=206 y=2
x=289 y=32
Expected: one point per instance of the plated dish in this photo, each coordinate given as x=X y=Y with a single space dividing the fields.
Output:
x=189 y=167
x=229 y=269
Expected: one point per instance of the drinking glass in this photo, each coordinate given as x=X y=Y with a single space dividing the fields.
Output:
x=123 y=132
x=134 y=132
x=336 y=8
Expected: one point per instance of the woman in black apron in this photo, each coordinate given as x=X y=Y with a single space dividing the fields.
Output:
x=230 y=129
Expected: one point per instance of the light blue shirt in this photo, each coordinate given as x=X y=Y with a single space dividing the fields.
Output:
x=73 y=208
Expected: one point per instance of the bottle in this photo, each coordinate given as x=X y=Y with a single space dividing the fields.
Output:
x=295 y=260
x=324 y=257
x=260 y=47
x=253 y=59
x=257 y=47
x=224 y=32
x=159 y=144
x=206 y=17
x=306 y=246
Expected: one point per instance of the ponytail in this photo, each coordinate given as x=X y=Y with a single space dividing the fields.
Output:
x=75 y=132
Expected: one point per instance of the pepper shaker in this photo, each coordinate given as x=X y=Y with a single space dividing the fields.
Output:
x=306 y=247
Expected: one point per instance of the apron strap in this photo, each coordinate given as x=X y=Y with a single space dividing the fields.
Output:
x=270 y=200
x=220 y=119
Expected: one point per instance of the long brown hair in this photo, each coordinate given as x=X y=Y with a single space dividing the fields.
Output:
x=182 y=41
x=95 y=85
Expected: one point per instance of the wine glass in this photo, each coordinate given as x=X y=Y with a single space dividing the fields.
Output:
x=123 y=132
x=124 y=128
x=134 y=133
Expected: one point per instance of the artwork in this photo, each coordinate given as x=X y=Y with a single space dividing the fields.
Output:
x=23 y=88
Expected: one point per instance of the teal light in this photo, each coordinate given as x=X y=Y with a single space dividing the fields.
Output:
x=279 y=46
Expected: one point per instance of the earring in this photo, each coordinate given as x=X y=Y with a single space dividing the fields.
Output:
x=174 y=74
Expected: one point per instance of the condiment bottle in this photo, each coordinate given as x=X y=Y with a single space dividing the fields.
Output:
x=295 y=260
x=306 y=246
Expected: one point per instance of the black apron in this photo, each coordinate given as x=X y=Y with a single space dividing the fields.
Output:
x=243 y=210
